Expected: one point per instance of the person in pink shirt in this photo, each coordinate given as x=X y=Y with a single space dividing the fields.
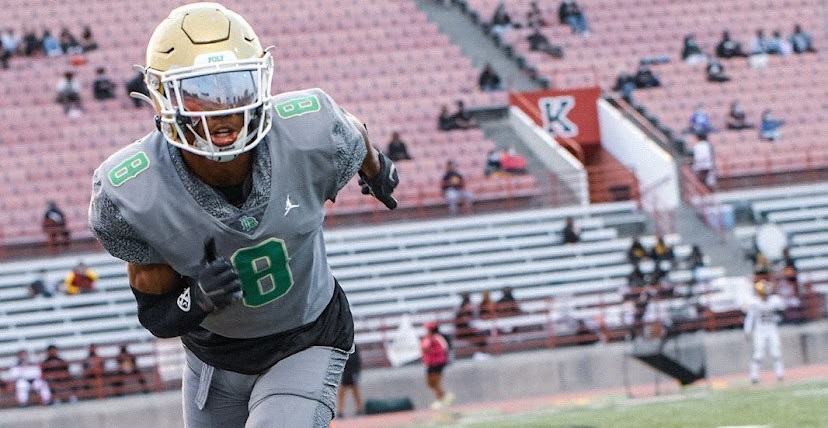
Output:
x=435 y=356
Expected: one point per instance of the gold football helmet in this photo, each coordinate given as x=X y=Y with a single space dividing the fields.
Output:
x=205 y=61
x=762 y=287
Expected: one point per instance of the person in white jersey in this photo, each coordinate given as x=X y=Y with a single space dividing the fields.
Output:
x=761 y=321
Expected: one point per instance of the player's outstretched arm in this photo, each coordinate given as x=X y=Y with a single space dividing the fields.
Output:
x=170 y=305
x=377 y=175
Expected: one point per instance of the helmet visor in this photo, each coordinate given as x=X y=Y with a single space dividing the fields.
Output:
x=216 y=92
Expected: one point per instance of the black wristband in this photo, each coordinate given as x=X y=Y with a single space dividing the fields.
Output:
x=168 y=315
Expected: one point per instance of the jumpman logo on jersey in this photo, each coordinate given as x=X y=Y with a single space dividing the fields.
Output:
x=289 y=205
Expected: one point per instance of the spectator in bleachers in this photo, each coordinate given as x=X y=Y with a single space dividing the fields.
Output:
x=463 y=317
x=493 y=163
x=26 y=375
x=31 y=44
x=445 y=121
x=80 y=280
x=534 y=16
x=501 y=20
x=801 y=40
x=463 y=328
x=737 y=118
x=462 y=116
x=489 y=80
x=645 y=78
x=54 y=225
x=88 y=42
x=760 y=44
x=691 y=52
x=69 y=43
x=694 y=262
x=700 y=123
x=56 y=372
x=486 y=309
x=570 y=233
x=40 y=285
x=454 y=189
x=661 y=251
x=396 y=149
x=715 y=72
x=507 y=305
x=350 y=382
x=511 y=162
x=68 y=94
x=696 y=258
x=94 y=370
x=635 y=280
x=770 y=126
x=457 y=120
x=137 y=84
x=657 y=279
x=729 y=48
x=10 y=41
x=51 y=45
x=788 y=287
x=636 y=252
x=4 y=57
x=788 y=268
x=624 y=83
x=570 y=13
x=539 y=43
x=586 y=335
x=128 y=370
x=780 y=45
x=702 y=164
x=435 y=351
x=102 y=88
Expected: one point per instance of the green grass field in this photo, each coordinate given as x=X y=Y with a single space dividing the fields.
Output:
x=796 y=405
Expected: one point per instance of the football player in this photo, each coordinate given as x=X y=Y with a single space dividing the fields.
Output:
x=763 y=315
x=219 y=214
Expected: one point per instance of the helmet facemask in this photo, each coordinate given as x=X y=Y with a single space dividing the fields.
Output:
x=217 y=85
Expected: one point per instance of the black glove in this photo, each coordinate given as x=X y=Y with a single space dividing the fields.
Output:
x=382 y=185
x=218 y=284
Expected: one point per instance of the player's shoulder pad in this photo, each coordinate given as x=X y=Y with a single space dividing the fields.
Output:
x=129 y=161
x=288 y=105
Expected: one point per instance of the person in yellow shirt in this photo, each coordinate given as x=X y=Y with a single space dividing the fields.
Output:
x=80 y=280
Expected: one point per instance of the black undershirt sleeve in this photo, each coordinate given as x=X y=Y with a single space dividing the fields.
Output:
x=164 y=316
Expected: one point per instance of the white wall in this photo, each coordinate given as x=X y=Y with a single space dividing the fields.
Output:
x=556 y=158
x=652 y=165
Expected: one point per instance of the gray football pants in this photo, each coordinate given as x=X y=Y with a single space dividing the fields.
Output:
x=298 y=392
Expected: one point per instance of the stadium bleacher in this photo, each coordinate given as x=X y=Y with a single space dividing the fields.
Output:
x=384 y=62
x=624 y=33
x=417 y=269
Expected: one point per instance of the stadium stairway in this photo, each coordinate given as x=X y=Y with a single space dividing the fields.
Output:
x=722 y=249
x=476 y=45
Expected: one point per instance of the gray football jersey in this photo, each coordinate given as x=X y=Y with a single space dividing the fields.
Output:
x=277 y=247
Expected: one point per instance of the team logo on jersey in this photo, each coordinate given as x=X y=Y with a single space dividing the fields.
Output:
x=248 y=223
x=184 y=300
x=289 y=205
